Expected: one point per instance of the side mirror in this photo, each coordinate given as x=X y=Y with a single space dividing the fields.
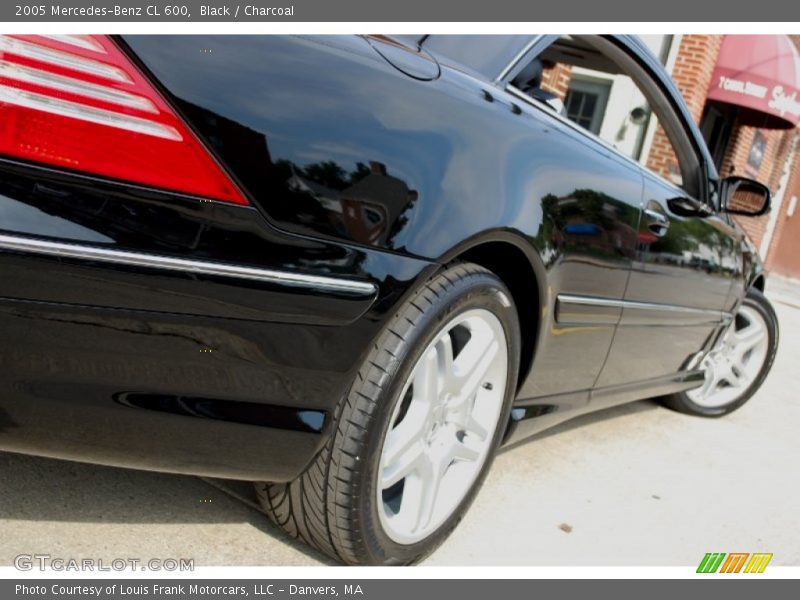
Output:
x=742 y=196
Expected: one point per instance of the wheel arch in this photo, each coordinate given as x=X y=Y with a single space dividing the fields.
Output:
x=517 y=263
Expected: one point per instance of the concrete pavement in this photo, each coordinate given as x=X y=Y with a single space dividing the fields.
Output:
x=633 y=485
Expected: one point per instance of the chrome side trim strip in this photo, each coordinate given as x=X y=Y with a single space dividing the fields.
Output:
x=630 y=304
x=169 y=263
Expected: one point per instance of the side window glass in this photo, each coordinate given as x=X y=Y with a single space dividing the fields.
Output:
x=588 y=88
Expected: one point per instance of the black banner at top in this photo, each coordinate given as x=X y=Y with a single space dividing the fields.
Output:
x=398 y=11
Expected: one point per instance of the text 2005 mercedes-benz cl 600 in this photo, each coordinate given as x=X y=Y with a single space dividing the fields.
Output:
x=349 y=268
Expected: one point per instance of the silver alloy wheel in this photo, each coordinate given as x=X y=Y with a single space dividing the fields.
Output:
x=735 y=362
x=441 y=430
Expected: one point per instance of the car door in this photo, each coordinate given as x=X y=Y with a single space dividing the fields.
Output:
x=677 y=291
x=615 y=90
x=681 y=278
x=574 y=197
x=586 y=197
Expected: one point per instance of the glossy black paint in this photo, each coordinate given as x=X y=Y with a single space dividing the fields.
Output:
x=691 y=264
x=446 y=164
x=80 y=337
x=57 y=206
x=364 y=159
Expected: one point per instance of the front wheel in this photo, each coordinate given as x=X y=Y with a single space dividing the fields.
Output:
x=413 y=439
x=737 y=365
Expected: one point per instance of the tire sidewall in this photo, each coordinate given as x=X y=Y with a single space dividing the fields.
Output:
x=479 y=290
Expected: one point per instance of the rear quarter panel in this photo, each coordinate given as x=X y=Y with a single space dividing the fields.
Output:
x=332 y=141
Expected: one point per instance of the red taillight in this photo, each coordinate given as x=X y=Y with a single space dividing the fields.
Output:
x=77 y=102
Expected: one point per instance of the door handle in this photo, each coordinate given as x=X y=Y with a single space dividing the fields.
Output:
x=657 y=222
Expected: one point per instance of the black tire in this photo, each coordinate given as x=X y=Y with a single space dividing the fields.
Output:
x=331 y=506
x=681 y=401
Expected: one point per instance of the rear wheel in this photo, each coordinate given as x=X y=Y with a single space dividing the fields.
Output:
x=737 y=365
x=414 y=438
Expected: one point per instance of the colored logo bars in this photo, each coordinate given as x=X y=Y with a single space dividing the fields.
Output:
x=716 y=562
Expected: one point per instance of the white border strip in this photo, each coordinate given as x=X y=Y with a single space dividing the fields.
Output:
x=354 y=574
x=288 y=26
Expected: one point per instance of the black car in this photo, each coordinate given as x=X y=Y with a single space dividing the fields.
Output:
x=352 y=267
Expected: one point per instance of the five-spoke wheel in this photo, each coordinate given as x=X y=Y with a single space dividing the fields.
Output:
x=414 y=437
x=736 y=360
x=441 y=430
x=737 y=364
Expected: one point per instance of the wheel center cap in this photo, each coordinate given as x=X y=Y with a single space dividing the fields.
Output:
x=438 y=420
